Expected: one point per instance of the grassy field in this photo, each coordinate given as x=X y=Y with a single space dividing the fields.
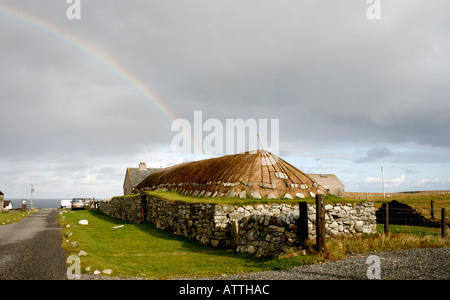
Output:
x=143 y=250
x=417 y=200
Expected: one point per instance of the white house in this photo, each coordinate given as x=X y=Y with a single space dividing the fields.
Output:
x=7 y=205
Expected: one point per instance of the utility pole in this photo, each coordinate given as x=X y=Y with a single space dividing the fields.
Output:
x=32 y=191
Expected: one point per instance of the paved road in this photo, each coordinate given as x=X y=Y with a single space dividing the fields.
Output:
x=31 y=248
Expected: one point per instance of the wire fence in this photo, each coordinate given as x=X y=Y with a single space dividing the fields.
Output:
x=406 y=217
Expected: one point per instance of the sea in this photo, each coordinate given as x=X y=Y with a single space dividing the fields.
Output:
x=37 y=203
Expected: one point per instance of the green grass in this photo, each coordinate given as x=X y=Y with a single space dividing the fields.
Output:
x=13 y=216
x=416 y=230
x=143 y=250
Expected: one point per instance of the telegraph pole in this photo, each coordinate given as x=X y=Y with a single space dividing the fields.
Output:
x=32 y=191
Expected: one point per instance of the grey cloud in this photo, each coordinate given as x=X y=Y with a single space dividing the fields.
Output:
x=333 y=78
x=374 y=154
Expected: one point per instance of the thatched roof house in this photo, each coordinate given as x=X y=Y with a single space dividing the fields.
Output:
x=250 y=174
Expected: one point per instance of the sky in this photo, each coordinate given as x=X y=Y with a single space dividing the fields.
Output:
x=82 y=99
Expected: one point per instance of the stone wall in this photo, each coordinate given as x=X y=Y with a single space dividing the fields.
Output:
x=128 y=208
x=268 y=229
x=261 y=229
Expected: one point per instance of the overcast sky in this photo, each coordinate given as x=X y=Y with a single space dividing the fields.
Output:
x=351 y=94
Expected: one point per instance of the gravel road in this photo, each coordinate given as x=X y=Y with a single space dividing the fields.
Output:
x=31 y=248
x=415 y=264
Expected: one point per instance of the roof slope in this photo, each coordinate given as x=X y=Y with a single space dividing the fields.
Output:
x=327 y=179
x=254 y=171
x=330 y=183
x=137 y=175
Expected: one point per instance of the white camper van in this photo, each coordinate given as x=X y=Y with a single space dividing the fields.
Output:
x=66 y=203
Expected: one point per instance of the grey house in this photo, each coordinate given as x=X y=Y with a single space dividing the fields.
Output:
x=134 y=176
x=330 y=183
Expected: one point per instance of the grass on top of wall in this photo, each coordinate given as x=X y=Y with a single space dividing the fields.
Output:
x=245 y=201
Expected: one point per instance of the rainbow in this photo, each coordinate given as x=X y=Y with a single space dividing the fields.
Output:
x=89 y=50
x=93 y=52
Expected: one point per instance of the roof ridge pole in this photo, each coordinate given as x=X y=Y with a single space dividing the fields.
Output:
x=260 y=141
x=263 y=152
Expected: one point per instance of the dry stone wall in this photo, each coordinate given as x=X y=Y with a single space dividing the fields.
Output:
x=261 y=229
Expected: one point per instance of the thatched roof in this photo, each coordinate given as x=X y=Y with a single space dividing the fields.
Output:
x=250 y=174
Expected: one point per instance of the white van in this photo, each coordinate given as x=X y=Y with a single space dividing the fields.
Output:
x=66 y=203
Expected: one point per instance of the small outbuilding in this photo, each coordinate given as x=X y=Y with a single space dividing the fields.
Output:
x=7 y=205
x=134 y=176
x=330 y=183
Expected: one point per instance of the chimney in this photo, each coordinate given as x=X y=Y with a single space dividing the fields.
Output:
x=142 y=166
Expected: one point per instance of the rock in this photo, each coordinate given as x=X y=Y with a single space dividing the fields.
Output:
x=83 y=222
x=231 y=194
x=288 y=196
x=88 y=269
x=242 y=195
x=271 y=196
x=107 y=271
x=359 y=223
x=68 y=234
x=82 y=253
x=299 y=195
x=311 y=194
x=74 y=244
x=255 y=195
x=97 y=272
x=281 y=175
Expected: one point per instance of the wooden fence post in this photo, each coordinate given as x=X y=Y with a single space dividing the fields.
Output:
x=320 y=223
x=302 y=225
x=443 y=223
x=386 y=220
x=234 y=233
x=432 y=209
